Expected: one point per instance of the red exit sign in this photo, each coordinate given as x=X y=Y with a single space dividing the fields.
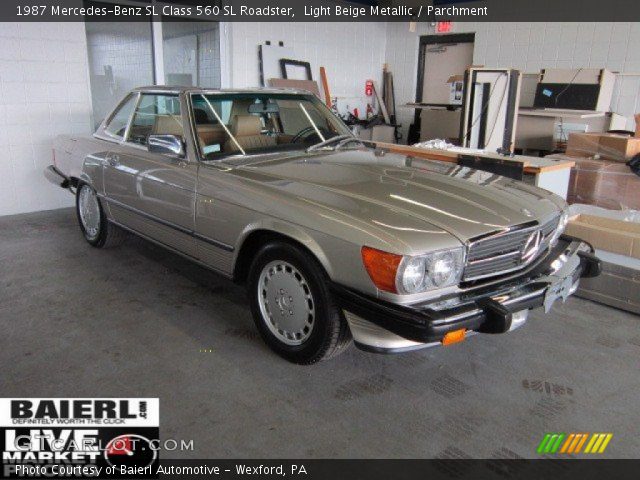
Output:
x=444 y=27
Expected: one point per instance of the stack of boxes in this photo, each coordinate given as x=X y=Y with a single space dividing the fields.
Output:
x=601 y=176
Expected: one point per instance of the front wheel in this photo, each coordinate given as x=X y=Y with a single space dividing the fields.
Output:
x=292 y=306
x=97 y=230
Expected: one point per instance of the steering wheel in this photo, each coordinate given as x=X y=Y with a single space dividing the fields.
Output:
x=304 y=132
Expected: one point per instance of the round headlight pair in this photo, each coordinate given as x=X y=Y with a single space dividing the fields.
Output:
x=429 y=271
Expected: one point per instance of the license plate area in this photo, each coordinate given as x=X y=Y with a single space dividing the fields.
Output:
x=560 y=289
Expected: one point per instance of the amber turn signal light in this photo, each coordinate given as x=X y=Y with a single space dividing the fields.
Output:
x=381 y=267
x=456 y=336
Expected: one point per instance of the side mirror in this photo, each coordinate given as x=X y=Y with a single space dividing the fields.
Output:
x=167 y=144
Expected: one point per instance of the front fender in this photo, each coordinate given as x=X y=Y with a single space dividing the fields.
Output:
x=292 y=231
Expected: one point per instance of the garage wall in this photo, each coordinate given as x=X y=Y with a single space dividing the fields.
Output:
x=351 y=52
x=44 y=91
x=530 y=47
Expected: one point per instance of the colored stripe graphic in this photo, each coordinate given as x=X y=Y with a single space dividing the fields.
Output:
x=605 y=442
x=557 y=443
x=581 y=442
x=573 y=443
x=551 y=442
x=598 y=443
x=568 y=442
x=543 y=443
x=577 y=439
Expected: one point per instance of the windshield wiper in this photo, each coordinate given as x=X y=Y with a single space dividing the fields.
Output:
x=350 y=140
x=329 y=141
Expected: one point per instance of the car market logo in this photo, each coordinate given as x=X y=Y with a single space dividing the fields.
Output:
x=129 y=450
x=79 y=437
x=573 y=443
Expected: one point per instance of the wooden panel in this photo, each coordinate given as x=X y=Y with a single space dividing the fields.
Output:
x=309 y=85
x=325 y=87
x=532 y=165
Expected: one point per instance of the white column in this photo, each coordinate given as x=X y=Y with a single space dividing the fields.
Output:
x=158 y=52
x=224 y=31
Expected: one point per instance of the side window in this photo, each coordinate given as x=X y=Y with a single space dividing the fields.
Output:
x=117 y=126
x=156 y=114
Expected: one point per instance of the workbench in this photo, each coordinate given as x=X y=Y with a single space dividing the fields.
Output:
x=547 y=173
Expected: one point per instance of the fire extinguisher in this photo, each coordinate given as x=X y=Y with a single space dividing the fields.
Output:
x=368 y=88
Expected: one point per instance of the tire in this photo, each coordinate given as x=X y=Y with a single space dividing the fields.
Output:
x=280 y=313
x=95 y=227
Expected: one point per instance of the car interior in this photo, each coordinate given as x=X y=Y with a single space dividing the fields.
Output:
x=257 y=123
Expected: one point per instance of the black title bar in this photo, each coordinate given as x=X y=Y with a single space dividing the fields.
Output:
x=321 y=10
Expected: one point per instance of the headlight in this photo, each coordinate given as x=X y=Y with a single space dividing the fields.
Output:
x=562 y=224
x=429 y=271
x=444 y=268
x=413 y=274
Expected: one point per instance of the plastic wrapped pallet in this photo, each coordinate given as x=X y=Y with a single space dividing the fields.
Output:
x=604 y=146
x=608 y=184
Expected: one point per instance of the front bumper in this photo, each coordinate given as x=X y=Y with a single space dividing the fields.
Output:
x=381 y=326
x=56 y=177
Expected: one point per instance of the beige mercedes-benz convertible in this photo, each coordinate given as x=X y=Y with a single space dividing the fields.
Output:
x=334 y=239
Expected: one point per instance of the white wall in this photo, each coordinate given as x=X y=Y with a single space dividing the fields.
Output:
x=44 y=91
x=351 y=52
x=531 y=47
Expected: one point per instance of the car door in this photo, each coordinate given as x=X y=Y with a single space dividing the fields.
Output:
x=148 y=192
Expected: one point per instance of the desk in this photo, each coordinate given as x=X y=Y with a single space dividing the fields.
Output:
x=536 y=128
x=550 y=174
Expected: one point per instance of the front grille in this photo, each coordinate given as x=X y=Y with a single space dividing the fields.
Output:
x=505 y=252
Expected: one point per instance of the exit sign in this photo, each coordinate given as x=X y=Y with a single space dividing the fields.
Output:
x=444 y=27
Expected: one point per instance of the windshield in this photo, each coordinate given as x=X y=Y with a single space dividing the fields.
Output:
x=246 y=123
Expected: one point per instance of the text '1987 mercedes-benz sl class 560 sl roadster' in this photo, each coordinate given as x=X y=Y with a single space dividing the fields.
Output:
x=336 y=240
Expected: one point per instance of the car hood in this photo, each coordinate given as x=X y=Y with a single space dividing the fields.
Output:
x=464 y=202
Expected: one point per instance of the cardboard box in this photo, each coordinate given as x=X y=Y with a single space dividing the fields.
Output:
x=457 y=89
x=603 y=183
x=607 y=234
x=609 y=146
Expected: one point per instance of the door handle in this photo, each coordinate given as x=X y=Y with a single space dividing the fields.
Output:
x=113 y=160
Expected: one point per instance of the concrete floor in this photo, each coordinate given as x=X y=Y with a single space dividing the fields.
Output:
x=133 y=322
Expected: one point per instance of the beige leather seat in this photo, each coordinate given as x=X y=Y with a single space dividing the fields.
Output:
x=247 y=131
x=168 y=125
x=211 y=134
